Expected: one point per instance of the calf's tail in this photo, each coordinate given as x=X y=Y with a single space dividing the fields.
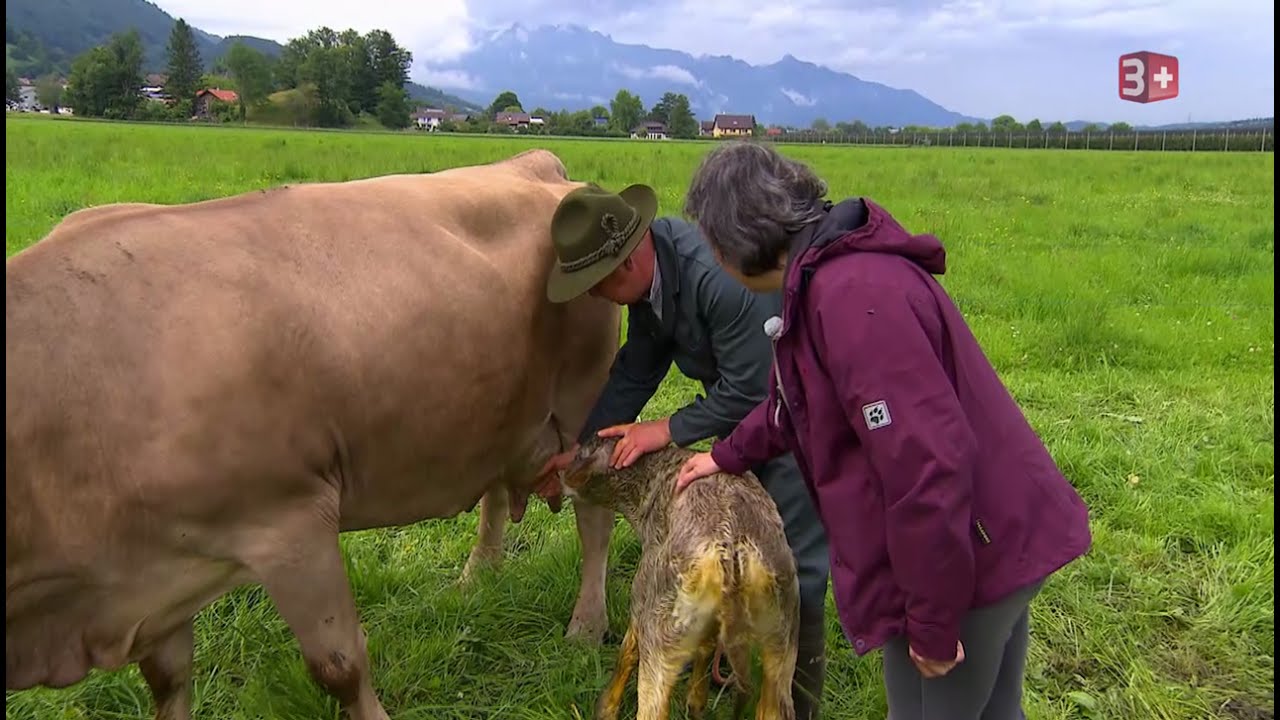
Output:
x=753 y=613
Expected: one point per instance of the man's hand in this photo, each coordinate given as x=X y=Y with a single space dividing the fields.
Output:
x=698 y=466
x=637 y=439
x=936 y=668
x=547 y=481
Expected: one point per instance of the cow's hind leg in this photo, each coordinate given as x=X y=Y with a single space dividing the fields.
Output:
x=167 y=671
x=590 y=620
x=308 y=584
x=590 y=339
x=487 y=552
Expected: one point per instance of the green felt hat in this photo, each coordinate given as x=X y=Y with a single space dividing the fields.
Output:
x=594 y=231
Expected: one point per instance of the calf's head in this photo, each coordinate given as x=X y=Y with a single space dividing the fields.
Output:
x=589 y=476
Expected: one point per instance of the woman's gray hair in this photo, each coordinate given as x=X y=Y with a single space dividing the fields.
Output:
x=748 y=200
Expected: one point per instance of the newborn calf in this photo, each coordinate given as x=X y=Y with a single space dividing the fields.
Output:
x=715 y=566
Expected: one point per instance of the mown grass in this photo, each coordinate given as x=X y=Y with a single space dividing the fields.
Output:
x=1126 y=298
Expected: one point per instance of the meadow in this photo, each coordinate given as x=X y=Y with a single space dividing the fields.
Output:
x=1125 y=298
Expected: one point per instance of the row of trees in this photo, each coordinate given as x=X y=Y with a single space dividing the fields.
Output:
x=625 y=112
x=1258 y=139
x=1003 y=124
x=329 y=78
x=341 y=76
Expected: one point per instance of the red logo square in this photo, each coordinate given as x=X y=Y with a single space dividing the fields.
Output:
x=1148 y=77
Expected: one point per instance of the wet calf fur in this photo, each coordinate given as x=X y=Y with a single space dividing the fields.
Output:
x=715 y=567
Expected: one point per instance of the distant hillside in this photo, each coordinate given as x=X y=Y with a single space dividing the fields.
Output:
x=67 y=28
x=1251 y=124
x=46 y=35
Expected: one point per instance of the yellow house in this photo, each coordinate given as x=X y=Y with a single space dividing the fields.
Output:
x=733 y=125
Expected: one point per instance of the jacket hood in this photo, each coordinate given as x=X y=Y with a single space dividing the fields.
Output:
x=859 y=225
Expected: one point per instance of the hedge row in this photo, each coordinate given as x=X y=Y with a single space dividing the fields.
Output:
x=1200 y=141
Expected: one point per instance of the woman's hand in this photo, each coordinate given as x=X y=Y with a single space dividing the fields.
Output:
x=698 y=466
x=936 y=668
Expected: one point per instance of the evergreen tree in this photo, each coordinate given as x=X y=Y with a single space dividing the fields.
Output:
x=184 y=67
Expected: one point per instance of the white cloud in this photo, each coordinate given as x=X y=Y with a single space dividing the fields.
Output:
x=452 y=79
x=798 y=98
x=673 y=73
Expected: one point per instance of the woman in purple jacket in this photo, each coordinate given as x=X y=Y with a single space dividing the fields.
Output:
x=944 y=511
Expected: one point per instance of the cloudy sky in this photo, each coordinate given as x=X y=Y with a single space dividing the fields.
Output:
x=1031 y=58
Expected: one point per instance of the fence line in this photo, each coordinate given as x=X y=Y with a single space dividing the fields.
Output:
x=1158 y=140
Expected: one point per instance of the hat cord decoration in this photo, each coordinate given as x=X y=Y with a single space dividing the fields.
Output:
x=615 y=238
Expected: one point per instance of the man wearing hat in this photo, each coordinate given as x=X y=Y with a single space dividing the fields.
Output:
x=683 y=308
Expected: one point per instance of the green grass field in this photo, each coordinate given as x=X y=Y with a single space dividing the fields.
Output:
x=1126 y=298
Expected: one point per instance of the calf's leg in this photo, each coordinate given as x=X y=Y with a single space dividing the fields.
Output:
x=778 y=659
x=628 y=657
x=699 y=679
x=306 y=580
x=167 y=671
x=595 y=526
x=738 y=652
x=660 y=667
x=487 y=552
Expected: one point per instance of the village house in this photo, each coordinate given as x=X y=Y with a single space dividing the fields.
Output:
x=153 y=87
x=651 y=130
x=428 y=119
x=513 y=120
x=706 y=127
x=733 y=126
x=27 y=95
x=206 y=98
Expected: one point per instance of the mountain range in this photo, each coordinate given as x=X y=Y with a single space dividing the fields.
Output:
x=575 y=67
x=553 y=67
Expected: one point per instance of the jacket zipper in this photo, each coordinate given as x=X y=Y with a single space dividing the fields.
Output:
x=982 y=532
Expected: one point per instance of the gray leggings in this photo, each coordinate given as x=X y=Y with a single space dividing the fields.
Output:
x=986 y=686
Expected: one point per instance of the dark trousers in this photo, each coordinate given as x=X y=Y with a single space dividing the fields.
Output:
x=782 y=480
x=986 y=686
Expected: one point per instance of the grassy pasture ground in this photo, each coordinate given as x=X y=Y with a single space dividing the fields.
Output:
x=1126 y=298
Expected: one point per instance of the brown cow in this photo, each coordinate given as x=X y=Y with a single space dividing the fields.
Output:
x=203 y=396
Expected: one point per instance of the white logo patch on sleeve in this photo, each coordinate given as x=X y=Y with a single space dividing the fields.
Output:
x=877 y=415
